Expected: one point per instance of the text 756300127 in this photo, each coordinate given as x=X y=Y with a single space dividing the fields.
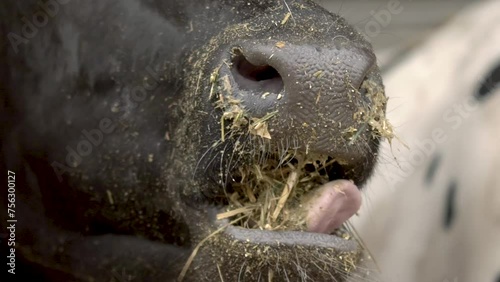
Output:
x=11 y=221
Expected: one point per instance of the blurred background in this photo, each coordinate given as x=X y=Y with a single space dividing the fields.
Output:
x=440 y=222
x=413 y=21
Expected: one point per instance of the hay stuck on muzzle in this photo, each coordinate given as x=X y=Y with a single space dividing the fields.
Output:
x=268 y=189
x=266 y=192
x=270 y=195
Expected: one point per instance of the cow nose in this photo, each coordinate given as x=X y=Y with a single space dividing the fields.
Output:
x=326 y=99
x=300 y=78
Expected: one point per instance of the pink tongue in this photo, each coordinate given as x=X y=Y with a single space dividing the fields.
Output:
x=331 y=205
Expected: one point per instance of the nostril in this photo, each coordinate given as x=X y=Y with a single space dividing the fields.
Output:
x=256 y=73
x=255 y=78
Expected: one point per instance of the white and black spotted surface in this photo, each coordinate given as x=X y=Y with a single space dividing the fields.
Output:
x=432 y=212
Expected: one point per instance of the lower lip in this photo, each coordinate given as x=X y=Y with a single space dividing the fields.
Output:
x=288 y=238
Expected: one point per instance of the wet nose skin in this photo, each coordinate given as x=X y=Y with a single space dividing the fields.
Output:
x=314 y=78
x=316 y=92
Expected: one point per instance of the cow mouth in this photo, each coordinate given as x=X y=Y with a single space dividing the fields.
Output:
x=320 y=197
x=324 y=193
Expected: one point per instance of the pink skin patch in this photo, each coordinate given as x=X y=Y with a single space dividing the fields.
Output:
x=331 y=205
